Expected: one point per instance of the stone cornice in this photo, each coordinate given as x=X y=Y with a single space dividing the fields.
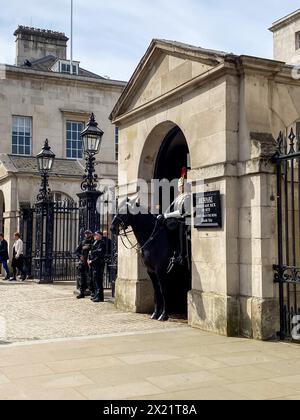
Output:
x=17 y=72
x=287 y=20
x=249 y=64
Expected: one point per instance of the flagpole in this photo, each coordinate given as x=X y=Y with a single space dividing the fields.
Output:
x=71 y=66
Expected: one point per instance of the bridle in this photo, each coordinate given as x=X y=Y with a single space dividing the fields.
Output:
x=126 y=233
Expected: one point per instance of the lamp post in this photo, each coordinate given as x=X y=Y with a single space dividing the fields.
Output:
x=45 y=160
x=44 y=218
x=91 y=141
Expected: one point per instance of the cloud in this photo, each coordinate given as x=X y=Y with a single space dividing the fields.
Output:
x=111 y=37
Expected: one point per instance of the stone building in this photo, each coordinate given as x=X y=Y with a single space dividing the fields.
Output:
x=39 y=99
x=224 y=111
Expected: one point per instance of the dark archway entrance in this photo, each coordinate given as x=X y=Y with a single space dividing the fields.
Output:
x=172 y=157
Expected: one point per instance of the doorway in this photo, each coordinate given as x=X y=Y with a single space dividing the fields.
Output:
x=173 y=156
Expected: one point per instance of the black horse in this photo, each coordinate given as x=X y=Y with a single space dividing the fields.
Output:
x=156 y=249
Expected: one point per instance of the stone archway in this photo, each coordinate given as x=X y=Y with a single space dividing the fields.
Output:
x=165 y=153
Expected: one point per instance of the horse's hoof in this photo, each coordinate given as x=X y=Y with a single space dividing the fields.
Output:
x=163 y=318
x=155 y=316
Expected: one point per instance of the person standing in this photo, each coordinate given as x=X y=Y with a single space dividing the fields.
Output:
x=4 y=257
x=97 y=264
x=84 y=272
x=18 y=258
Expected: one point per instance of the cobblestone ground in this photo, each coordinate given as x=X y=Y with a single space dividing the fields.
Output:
x=33 y=312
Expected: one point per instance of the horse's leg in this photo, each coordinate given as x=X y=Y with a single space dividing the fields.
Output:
x=158 y=297
x=163 y=283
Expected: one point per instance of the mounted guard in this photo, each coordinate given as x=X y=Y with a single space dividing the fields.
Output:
x=175 y=220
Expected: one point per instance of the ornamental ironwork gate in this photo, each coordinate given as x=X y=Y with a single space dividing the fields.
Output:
x=64 y=236
x=287 y=272
x=65 y=241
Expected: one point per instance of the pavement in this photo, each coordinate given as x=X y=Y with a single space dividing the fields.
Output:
x=46 y=355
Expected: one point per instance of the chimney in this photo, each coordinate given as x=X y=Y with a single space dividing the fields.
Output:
x=286 y=38
x=33 y=44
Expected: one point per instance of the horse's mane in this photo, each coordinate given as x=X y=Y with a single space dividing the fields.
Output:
x=142 y=210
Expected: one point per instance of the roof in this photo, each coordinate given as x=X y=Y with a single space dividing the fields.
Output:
x=46 y=64
x=44 y=33
x=188 y=47
x=292 y=17
x=28 y=165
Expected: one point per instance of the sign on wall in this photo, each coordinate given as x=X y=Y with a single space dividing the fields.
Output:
x=208 y=210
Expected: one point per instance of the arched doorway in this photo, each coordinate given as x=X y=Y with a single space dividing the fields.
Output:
x=174 y=155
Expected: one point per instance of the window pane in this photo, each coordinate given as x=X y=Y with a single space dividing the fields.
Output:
x=74 y=142
x=21 y=135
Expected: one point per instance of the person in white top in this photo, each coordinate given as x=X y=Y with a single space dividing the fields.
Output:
x=18 y=258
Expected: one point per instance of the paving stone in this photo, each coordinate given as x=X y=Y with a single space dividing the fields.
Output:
x=35 y=312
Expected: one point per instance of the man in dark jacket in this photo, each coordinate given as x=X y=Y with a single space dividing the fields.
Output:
x=83 y=269
x=97 y=264
x=4 y=257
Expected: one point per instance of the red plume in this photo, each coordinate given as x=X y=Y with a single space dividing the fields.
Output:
x=184 y=173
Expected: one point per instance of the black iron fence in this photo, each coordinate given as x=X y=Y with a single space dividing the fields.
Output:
x=287 y=271
x=56 y=243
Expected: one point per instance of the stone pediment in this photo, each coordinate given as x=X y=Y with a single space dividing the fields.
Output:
x=165 y=66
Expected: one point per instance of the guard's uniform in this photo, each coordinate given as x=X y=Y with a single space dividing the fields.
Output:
x=97 y=264
x=178 y=212
x=181 y=207
x=84 y=275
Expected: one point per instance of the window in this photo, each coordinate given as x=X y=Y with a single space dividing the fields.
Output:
x=65 y=68
x=74 y=142
x=21 y=135
x=117 y=144
x=59 y=197
x=297 y=40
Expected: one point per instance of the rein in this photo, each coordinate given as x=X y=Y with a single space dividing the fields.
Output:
x=136 y=246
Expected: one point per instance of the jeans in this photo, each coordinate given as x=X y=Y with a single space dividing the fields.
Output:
x=4 y=265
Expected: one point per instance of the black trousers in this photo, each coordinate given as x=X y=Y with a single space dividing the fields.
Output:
x=98 y=274
x=84 y=277
x=18 y=264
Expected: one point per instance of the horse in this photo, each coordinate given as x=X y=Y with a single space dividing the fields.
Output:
x=156 y=250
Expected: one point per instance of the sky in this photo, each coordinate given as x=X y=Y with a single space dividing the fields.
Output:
x=110 y=37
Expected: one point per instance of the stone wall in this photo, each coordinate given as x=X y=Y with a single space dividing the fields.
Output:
x=51 y=101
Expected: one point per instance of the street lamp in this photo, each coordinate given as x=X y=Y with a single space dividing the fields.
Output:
x=91 y=139
x=89 y=218
x=45 y=160
x=44 y=208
